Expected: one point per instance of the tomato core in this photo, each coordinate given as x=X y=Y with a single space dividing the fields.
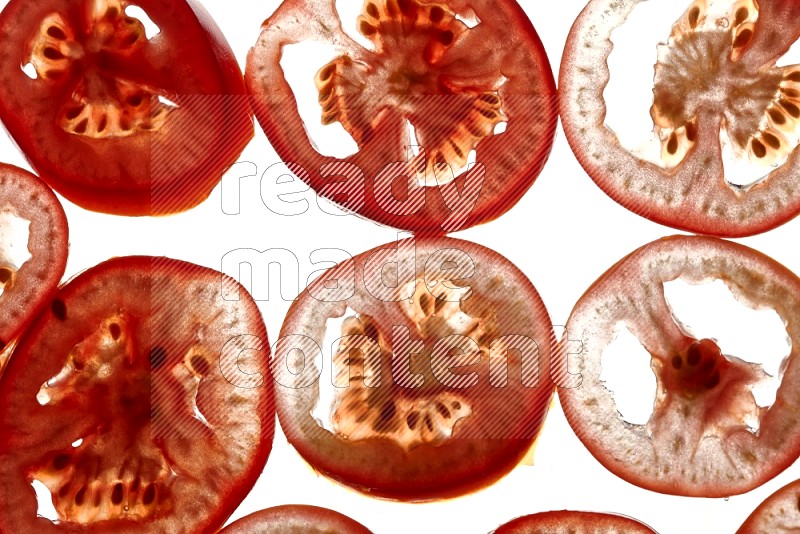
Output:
x=404 y=72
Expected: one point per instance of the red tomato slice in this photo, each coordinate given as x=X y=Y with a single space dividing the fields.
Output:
x=115 y=121
x=426 y=68
x=779 y=513
x=33 y=249
x=569 y=522
x=296 y=518
x=120 y=399
x=439 y=380
x=701 y=439
x=714 y=74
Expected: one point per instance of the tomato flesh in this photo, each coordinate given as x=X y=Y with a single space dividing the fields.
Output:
x=706 y=435
x=780 y=512
x=116 y=120
x=715 y=75
x=428 y=69
x=441 y=378
x=295 y=518
x=571 y=522
x=117 y=400
x=31 y=221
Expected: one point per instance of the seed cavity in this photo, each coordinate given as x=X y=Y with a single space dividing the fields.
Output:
x=59 y=309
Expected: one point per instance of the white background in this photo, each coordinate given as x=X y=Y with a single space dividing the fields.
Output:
x=563 y=234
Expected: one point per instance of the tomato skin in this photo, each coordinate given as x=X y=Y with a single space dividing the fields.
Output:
x=572 y=522
x=664 y=455
x=483 y=446
x=512 y=160
x=693 y=195
x=25 y=196
x=780 y=512
x=288 y=519
x=153 y=302
x=152 y=172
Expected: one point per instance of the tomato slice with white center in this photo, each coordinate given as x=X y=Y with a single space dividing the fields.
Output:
x=296 y=518
x=434 y=378
x=33 y=249
x=116 y=120
x=571 y=522
x=716 y=75
x=122 y=401
x=449 y=71
x=707 y=436
x=779 y=513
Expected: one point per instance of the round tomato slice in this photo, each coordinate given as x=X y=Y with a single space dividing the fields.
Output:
x=121 y=399
x=716 y=74
x=436 y=356
x=706 y=436
x=33 y=249
x=115 y=119
x=293 y=518
x=569 y=522
x=780 y=512
x=440 y=76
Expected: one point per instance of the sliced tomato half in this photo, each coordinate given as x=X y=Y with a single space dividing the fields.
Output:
x=716 y=75
x=434 y=372
x=116 y=120
x=449 y=71
x=295 y=518
x=33 y=249
x=778 y=514
x=121 y=400
x=571 y=522
x=707 y=436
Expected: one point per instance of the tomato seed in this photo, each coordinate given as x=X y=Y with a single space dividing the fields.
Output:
x=694 y=355
x=456 y=405
x=80 y=496
x=672 y=144
x=776 y=116
x=741 y=15
x=694 y=16
x=5 y=275
x=437 y=14
x=61 y=461
x=743 y=38
x=200 y=365
x=793 y=76
x=793 y=110
x=758 y=148
x=367 y=29
x=446 y=37
x=372 y=10
x=116 y=494
x=56 y=33
x=149 y=494
x=52 y=53
x=115 y=330
x=412 y=419
x=677 y=362
x=443 y=410
x=771 y=140
x=428 y=423
x=158 y=356
x=59 y=309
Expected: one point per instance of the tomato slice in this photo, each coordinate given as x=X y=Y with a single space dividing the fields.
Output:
x=293 y=518
x=426 y=69
x=439 y=358
x=571 y=522
x=706 y=436
x=33 y=249
x=716 y=74
x=120 y=400
x=780 y=512
x=116 y=120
